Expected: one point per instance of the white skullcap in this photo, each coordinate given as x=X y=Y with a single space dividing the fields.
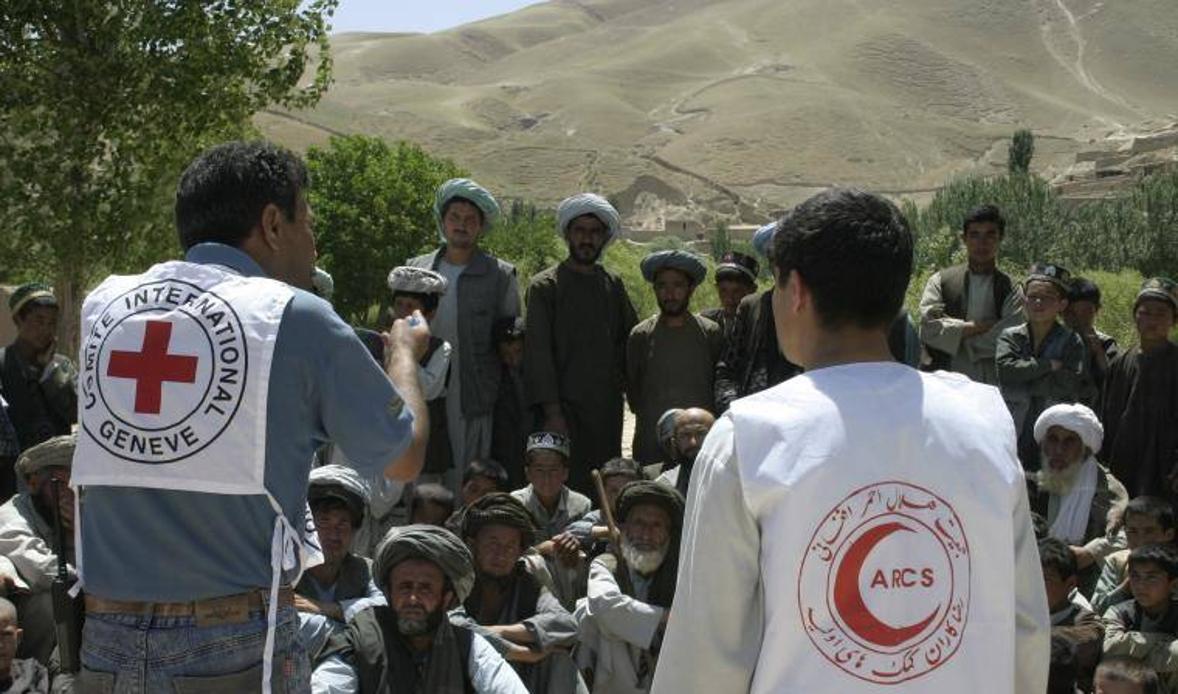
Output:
x=1075 y=418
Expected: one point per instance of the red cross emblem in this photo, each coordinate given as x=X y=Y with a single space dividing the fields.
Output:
x=152 y=366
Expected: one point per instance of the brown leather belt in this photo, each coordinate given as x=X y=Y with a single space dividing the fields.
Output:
x=228 y=609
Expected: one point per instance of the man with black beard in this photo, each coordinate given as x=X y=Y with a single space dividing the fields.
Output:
x=511 y=604
x=691 y=428
x=1072 y=490
x=670 y=357
x=410 y=645
x=623 y=617
x=578 y=318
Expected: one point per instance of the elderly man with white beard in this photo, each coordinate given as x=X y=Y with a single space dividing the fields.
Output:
x=1072 y=490
x=623 y=618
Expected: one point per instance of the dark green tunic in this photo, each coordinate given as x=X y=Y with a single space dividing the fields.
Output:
x=1139 y=410
x=575 y=348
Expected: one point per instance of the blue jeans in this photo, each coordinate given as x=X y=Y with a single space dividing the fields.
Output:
x=131 y=654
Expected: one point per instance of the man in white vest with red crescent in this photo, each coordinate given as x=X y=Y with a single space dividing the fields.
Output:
x=206 y=386
x=862 y=525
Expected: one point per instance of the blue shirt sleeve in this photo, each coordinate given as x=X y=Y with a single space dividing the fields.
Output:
x=361 y=410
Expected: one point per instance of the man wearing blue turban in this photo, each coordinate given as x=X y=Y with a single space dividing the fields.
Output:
x=482 y=291
x=579 y=317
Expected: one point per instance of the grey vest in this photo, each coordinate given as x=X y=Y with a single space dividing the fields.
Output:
x=955 y=295
x=481 y=287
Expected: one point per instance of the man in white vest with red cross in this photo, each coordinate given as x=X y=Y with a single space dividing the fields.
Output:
x=207 y=386
x=862 y=525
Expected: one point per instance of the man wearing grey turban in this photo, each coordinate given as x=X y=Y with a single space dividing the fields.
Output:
x=579 y=316
x=28 y=549
x=671 y=356
x=482 y=290
x=411 y=645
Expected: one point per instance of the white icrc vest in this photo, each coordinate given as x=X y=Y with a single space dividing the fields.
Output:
x=173 y=381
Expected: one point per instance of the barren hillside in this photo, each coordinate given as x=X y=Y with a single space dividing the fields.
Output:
x=693 y=108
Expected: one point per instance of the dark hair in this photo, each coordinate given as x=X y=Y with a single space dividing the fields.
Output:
x=222 y=193
x=1084 y=289
x=1039 y=525
x=1055 y=554
x=1163 y=556
x=485 y=467
x=1155 y=507
x=1129 y=671
x=854 y=250
x=984 y=214
x=1063 y=670
x=429 y=302
x=622 y=466
x=431 y=494
x=332 y=503
x=468 y=201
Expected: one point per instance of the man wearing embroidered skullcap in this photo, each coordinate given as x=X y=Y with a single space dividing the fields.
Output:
x=412 y=644
x=511 y=604
x=333 y=592
x=671 y=356
x=1072 y=490
x=579 y=316
x=1138 y=405
x=482 y=290
x=631 y=591
x=752 y=361
x=736 y=278
x=28 y=541
x=206 y=386
x=39 y=385
x=863 y=526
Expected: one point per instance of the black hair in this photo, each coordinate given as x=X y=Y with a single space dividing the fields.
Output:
x=853 y=249
x=222 y=193
x=622 y=466
x=1155 y=507
x=1084 y=289
x=1162 y=556
x=1039 y=525
x=1129 y=671
x=433 y=494
x=468 y=201
x=1063 y=293
x=485 y=467
x=564 y=459
x=1055 y=554
x=1063 y=669
x=31 y=306
x=333 y=503
x=729 y=274
x=984 y=214
x=429 y=302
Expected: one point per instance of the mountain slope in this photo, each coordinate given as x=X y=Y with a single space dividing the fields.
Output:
x=737 y=108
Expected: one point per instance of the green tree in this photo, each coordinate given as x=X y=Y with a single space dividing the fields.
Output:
x=527 y=238
x=1020 y=152
x=373 y=206
x=106 y=100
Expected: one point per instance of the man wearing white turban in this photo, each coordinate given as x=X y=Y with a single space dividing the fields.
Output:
x=1073 y=491
x=578 y=319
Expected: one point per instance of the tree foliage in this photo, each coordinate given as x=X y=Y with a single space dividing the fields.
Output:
x=1020 y=152
x=373 y=209
x=105 y=101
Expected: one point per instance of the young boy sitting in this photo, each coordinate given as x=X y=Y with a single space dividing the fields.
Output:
x=17 y=675
x=1041 y=362
x=1147 y=520
x=552 y=504
x=481 y=478
x=1145 y=627
x=1070 y=619
x=431 y=504
x=1126 y=676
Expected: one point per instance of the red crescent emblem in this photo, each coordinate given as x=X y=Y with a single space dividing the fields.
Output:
x=848 y=600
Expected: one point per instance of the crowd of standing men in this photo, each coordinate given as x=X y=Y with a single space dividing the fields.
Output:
x=458 y=495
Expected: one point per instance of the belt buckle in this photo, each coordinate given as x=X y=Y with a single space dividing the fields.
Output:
x=233 y=609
